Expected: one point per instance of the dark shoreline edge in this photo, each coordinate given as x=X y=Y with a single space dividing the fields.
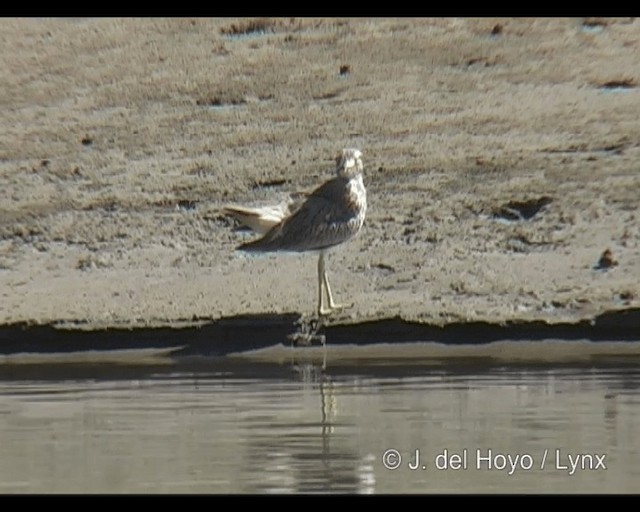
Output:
x=249 y=332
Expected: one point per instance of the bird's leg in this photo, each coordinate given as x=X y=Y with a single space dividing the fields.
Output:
x=324 y=280
x=321 y=271
x=321 y=310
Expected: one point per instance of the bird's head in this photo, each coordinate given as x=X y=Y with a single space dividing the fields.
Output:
x=349 y=163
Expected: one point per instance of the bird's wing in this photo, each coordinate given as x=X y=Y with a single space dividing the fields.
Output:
x=314 y=225
x=260 y=220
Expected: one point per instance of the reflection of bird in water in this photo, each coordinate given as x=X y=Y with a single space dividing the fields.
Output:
x=330 y=215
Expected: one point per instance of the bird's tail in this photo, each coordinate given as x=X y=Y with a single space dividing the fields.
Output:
x=264 y=244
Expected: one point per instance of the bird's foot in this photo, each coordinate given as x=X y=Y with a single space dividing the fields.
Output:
x=322 y=311
x=307 y=332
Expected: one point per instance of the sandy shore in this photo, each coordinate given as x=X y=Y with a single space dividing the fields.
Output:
x=122 y=139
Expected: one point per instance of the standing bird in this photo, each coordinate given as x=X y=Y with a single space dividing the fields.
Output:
x=330 y=215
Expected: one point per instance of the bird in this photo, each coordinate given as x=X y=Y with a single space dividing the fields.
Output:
x=330 y=215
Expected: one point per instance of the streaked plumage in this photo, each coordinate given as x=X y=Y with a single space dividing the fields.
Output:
x=330 y=215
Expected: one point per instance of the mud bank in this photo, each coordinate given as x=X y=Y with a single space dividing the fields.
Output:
x=256 y=332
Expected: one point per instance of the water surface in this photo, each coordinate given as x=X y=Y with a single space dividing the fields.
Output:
x=220 y=425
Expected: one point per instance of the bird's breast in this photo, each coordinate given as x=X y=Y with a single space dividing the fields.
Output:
x=356 y=197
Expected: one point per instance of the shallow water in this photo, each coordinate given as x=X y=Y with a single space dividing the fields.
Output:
x=233 y=425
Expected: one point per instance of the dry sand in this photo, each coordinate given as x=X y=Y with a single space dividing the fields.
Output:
x=121 y=139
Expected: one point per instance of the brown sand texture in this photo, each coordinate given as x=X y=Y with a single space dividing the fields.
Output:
x=502 y=158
